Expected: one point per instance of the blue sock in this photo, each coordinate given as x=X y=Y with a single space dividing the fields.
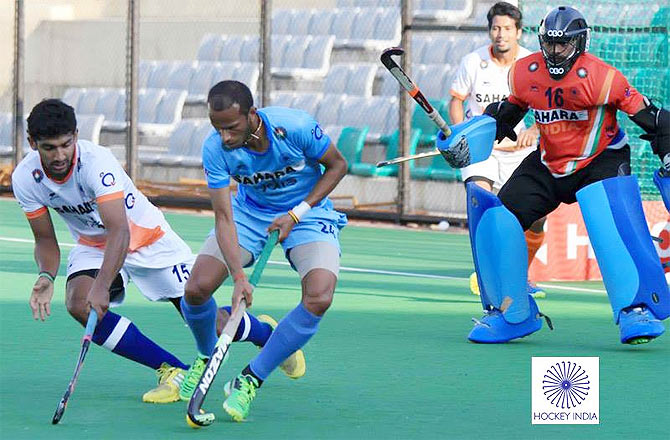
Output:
x=297 y=327
x=202 y=322
x=251 y=329
x=119 y=334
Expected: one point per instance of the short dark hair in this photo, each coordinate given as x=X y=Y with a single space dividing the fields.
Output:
x=504 y=8
x=51 y=118
x=228 y=93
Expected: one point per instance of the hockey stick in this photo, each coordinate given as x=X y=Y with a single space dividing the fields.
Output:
x=195 y=416
x=85 y=342
x=415 y=93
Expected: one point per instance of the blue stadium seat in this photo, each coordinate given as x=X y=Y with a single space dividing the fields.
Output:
x=210 y=48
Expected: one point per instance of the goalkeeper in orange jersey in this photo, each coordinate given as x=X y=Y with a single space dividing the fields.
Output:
x=583 y=156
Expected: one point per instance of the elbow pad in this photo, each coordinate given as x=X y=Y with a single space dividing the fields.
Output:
x=507 y=116
x=656 y=123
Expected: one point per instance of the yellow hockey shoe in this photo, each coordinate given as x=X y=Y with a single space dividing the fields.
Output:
x=169 y=380
x=293 y=366
x=474 y=286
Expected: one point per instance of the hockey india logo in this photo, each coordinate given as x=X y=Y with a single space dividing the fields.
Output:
x=566 y=385
x=38 y=175
x=280 y=132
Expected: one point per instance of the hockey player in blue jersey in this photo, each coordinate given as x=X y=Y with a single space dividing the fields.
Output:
x=276 y=156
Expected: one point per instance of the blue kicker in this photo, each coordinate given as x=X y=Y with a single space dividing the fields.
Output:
x=630 y=266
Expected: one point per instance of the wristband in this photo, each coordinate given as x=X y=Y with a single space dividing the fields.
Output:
x=299 y=210
x=293 y=216
x=239 y=275
x=47 y=275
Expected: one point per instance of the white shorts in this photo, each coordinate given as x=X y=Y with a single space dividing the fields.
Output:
x=498 y=167
x=303 y=258
x=156 y=284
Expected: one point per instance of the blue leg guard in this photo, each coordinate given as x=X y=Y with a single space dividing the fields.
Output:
x=663 y=184
x=630 y=266
x=501 y=261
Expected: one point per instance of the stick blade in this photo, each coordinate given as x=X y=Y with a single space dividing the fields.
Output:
x=60 y=410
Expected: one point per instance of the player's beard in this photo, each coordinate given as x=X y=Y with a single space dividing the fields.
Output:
x=59 y=174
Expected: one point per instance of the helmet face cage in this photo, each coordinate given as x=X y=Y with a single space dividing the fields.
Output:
x=563 y=36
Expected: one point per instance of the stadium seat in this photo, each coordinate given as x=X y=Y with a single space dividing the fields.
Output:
x=300 y=21
x=350 y=79
x=342 y=23
x=281 y=22
x=307 y=102
x=167 y=114
x=89 y=100
x=322 y=19
x=248 y=73
x=146 y=67
x=89 y=127
x=450 y=11
x=202 y=131
x=250 y=50
x=178 y=145
x=373 y=29
x=282 y=98
x=391 y=142
x=305 y=57
x=202 y=80
x=327 y=112
x=6 y=141
x=350 y=143
x=158 y=78
x=108 y=102
x=421 y=121
x=353 y=111
x=181 y=74
x=419 y=43
x=210 y=48
x=232 y=48
x=149 y=99
x=72 y=96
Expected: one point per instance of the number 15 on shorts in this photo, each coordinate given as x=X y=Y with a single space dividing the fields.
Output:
x=181 y=272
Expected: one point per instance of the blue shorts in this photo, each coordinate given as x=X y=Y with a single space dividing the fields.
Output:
x=318 y=224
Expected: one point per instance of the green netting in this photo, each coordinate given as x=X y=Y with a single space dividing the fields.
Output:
x=634 y=38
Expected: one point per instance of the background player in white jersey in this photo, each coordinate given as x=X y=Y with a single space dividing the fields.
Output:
x=275 y=155
x=480 y=80
x=119 y=235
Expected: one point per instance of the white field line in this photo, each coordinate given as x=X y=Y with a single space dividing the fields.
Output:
x=374 y=271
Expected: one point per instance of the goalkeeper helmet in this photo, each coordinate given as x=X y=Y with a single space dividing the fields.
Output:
x=564 y=36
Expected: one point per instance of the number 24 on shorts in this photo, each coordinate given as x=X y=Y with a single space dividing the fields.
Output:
x=327 y=228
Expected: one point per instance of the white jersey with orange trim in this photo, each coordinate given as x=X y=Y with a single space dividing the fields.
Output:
x=481 y=80
x=96 y=177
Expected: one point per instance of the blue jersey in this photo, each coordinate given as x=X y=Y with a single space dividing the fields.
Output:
x=279 y=178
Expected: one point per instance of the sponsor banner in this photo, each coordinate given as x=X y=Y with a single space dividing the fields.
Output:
x=566 y=254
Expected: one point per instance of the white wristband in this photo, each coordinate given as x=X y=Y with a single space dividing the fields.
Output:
x=301 y=209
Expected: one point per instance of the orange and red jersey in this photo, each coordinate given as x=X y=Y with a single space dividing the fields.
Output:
x=576 y=114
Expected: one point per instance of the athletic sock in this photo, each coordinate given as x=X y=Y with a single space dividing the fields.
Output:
x=119 y=335
x=534 y=241
x=251 y=329
x=297 y=327
x=202 y=322
x=247 y=372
